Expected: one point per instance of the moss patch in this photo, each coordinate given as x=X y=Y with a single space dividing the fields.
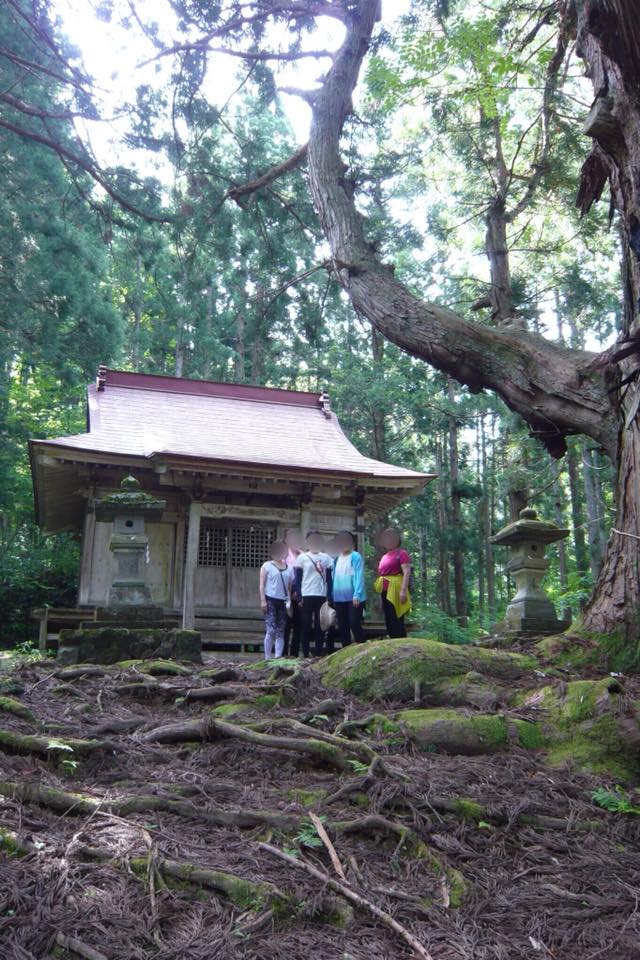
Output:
x=307 y=798
x=453 y=732
x=390 y=669
x=231 y=709
x=9 y=705
x=589 y=723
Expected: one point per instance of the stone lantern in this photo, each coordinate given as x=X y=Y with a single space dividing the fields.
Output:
x=129 y=508
x=530 y=610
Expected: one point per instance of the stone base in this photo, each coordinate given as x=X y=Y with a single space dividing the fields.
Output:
x=530 y=626
x=129 y=594
x=113 y=643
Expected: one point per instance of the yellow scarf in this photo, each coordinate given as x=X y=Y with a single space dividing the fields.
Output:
x=393 y=592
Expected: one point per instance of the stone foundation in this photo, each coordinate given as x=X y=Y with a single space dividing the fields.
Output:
x=109 y=644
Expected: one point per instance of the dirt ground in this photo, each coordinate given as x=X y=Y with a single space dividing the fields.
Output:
x=541 y=873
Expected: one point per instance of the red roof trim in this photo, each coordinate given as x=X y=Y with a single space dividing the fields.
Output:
x=208 y=388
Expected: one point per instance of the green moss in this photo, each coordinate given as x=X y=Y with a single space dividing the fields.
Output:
x=582 y=722
x=230 y=709
x=10 y=845
x=390 y=669
x=453 y=732
x=160 y=668
x=9 y=705
x=468 y=809
x=267 y=701
x=579 y=648
x=308 y=798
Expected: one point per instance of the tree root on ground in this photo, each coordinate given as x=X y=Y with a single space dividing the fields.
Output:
x=18 y=709
x=242 y=893
x=321 y=751
x=14 y=742
x=73 y=945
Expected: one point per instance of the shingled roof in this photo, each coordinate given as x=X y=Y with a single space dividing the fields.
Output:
x=227 y=427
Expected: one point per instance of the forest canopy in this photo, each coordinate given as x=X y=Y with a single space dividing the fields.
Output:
x=423 y=258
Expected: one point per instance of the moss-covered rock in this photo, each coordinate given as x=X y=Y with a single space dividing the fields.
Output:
x=591 y=724
x=398 y=669
x=578 y=648
x=451 y=731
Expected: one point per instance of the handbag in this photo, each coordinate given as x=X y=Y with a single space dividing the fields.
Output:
x=327 y=614
x=288 y=604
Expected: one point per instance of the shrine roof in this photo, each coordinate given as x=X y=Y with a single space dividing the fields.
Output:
x=230 y=427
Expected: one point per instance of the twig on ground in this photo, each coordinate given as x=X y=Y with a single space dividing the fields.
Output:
x=349 y=894
x=331 y=850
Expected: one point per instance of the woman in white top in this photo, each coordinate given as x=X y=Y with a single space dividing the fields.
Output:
x=275 y=591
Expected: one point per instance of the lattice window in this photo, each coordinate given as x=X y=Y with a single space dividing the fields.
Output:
x=212 y=548
x=250 y=545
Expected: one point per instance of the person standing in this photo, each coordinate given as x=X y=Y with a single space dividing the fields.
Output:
x=394 y=571
x=293 y=629
x=349 y=594
x=275 y=591
x=313 y=584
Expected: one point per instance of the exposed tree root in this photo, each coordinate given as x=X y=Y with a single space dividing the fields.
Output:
x=74 y=945
x=77 y=804
x=82 y=670
x=211 y=694
x=241 y=892
x=14 y=742
x=18 y=709
x=224 y=675
x=325 y=753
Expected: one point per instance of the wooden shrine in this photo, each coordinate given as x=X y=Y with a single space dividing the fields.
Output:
x=234 y=465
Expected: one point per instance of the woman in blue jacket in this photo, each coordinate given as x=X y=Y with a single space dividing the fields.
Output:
x=349 y=596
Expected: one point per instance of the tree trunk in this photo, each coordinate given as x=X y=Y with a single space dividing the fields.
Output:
x=240 y=348
x=579 y=541
x=444 y=589
x=558 y=391
x=378 y=415
x=595 y=510
x=487 y=515
x=567 y=613
x=456 y=517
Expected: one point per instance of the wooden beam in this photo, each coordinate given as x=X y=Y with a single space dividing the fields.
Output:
x=86 y=557
x=190 y=565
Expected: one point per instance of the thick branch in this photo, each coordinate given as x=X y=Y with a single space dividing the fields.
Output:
x=556 y=390
x=277 y=171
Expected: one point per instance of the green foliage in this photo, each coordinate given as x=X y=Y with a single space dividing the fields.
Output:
x=307 y=835
x=615 y=801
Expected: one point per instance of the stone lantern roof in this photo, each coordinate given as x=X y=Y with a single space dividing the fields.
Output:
x=529 y=528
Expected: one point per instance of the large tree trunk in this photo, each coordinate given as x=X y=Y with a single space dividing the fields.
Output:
x=594 y=502
x=609 y=42
x=558 y=391
x=456 y=517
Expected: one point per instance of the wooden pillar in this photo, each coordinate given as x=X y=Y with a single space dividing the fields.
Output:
x=190 y=564
x=86 y=557
x=43 y=633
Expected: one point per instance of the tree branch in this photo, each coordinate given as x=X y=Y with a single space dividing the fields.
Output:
x=65 y=154
x=556 y=390
x=246 y=189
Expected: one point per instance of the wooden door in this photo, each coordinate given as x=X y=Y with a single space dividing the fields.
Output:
x=211 y=572
x=230 y=554
x=249 y=547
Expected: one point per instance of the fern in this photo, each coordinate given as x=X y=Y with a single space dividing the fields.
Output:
x=615 y=801
x=307 y=836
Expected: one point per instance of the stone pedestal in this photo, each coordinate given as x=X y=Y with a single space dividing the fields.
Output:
x=130 y=626
x=129 y=508
x=530 y=610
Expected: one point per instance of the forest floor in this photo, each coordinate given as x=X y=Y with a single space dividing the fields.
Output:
x=139 y=821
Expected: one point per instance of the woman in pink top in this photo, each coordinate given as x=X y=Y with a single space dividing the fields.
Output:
x=394 y=571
